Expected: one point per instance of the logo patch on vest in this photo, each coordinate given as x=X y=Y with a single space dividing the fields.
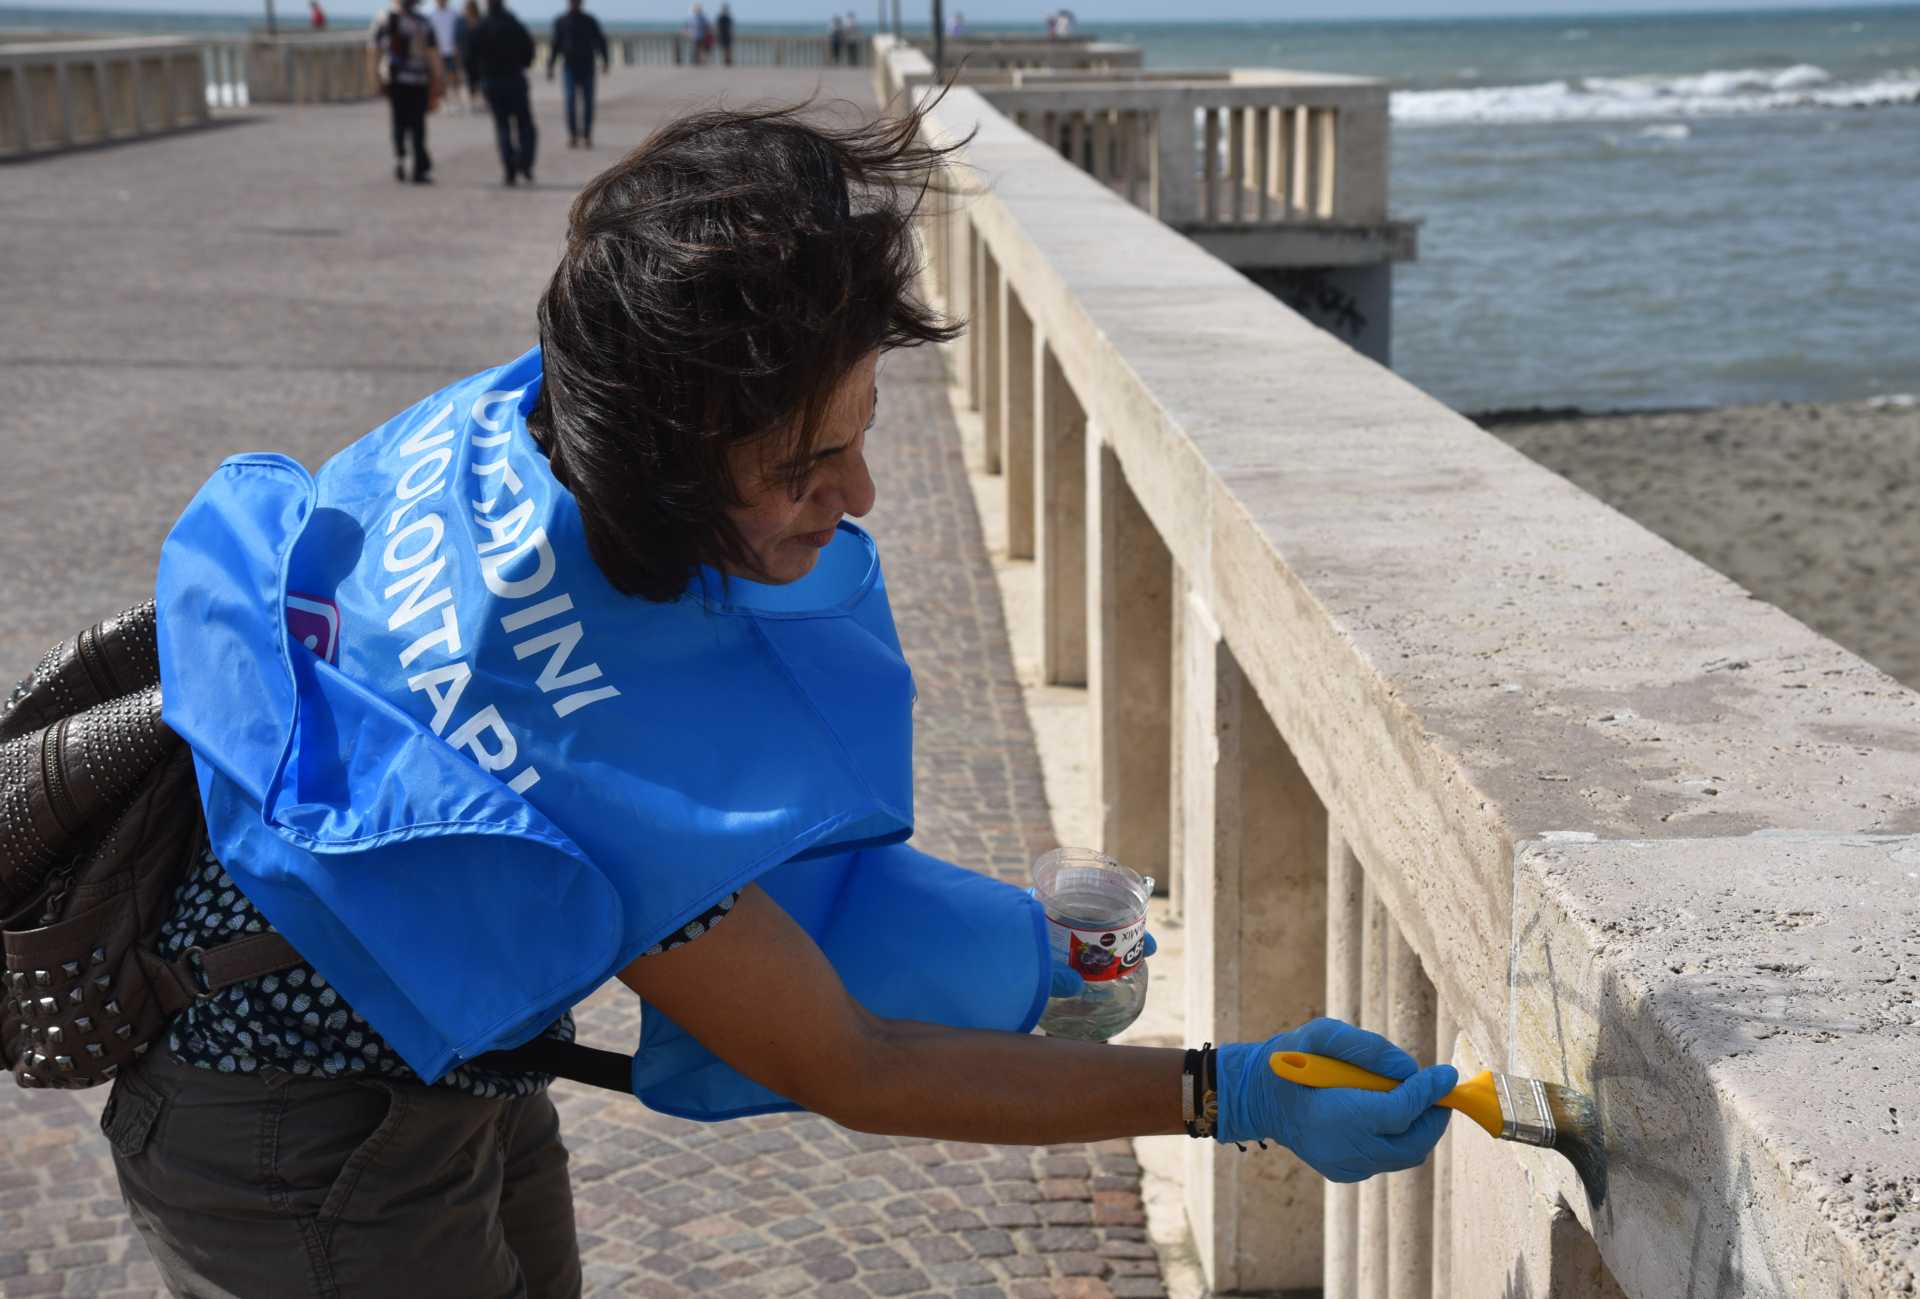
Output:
x=315 y=623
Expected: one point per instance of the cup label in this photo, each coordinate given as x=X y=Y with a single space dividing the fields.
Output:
x=1100 y=954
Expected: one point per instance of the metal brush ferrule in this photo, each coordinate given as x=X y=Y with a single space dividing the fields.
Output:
x=1524 y=1115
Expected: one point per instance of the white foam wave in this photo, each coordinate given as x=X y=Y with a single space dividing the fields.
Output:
x=1612 y=99
x=1667 y=131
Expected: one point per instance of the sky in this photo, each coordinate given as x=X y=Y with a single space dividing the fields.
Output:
x=1091 y=13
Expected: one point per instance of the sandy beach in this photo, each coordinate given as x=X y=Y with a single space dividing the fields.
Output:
x=1814 y=508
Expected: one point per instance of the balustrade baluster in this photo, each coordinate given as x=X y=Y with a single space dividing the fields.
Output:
x=1210 y=166
x=1017 y=420
x=1371 y=1238
x=1237 y=162
x=1263 y=161
x=1060 y=546
x=992 y=362
x=1442 y=1283
x=1298 y=201
x=1346 y=939
x=1410 y=1022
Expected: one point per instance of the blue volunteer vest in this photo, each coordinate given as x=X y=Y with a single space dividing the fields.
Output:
x=470 y=781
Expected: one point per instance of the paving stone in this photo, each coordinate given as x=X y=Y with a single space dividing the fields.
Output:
x=1078 y=1263
x=1056 y=1240
x=1081 y=1287
x=949 y=1275
x=42 y=1283
x=837 y=1267
x=879 y=1259
x=988 y=1244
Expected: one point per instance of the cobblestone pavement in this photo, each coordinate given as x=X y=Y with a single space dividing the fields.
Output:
x=257 y=286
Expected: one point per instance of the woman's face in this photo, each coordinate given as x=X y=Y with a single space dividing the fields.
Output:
x=787 y=532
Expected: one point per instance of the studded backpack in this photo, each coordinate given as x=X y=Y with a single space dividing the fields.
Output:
x=99 y=817
x=99 y=820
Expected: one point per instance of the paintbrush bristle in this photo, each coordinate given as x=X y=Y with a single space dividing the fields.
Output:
x=1576 y=1127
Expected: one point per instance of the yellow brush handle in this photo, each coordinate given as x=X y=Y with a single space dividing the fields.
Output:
x=1474 y=1098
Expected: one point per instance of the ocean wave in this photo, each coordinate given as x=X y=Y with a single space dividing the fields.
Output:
x=1607 y=99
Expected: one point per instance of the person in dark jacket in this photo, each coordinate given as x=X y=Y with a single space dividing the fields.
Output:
x=502 y=51
x=577 y=42
x=723 y=28
x=407 y=63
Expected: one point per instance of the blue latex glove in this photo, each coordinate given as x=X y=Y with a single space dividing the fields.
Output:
x=1344 y=1134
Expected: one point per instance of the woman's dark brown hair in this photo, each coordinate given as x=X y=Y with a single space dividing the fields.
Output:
x=718 y=283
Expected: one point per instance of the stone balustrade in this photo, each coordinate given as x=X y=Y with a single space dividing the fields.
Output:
x=306 y=68
x=750 y=49
x=1428 y=739
x=1261 y=168
x=1280 y=174
x=60 y=94
x=974 y=56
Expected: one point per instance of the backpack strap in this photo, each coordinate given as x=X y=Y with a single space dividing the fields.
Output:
x=203 y=971
x=608 y=1070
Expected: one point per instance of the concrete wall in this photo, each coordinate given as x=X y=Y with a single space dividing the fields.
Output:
x=58 y=95
x=1434 y=741
x=307 y=69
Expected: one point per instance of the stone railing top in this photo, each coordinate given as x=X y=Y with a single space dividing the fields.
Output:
x=1010 y=38
x=1652 y=837
x=92 y=47
x=1207 y=77
x=341 y=37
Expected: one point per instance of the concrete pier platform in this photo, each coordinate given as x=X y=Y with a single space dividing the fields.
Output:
x=267 y=285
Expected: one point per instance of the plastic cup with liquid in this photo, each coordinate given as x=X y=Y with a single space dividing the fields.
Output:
x=1097 y=923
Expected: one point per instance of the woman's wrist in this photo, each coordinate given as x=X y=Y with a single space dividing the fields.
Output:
x=1199 y=1091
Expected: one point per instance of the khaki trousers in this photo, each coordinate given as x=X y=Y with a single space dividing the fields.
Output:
x=264 y=1185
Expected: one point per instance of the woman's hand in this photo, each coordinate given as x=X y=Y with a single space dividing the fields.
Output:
x=1345 y=1134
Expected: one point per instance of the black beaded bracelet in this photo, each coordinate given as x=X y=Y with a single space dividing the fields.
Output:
x=1199 y=1067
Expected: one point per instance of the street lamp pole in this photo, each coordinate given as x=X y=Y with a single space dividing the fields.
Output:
x=939 y=43
x=269 y=17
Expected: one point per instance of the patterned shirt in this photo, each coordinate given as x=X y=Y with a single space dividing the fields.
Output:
x=295 y=1020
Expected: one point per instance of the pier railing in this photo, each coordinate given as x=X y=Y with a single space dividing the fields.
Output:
x=1430 y=740
x=1263 y=168
x=750 y=49
x=61 y=94
x=316 y=68
x=989 y=57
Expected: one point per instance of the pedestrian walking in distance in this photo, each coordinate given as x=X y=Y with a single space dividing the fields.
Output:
x=699 y=34
x=407 y=63
x=577 y=42
x=850 y=39
x=501 y=53
x=445 y=21
x=723 y=28
x=836 y=39
x=469 y=24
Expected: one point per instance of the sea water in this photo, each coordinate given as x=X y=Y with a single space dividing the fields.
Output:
x=1636 y=210
x=1619 y=210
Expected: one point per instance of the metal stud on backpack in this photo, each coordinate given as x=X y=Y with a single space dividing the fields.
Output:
x=99 y=816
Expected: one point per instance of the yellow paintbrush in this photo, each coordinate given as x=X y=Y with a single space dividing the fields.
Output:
x=1510 y=1107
